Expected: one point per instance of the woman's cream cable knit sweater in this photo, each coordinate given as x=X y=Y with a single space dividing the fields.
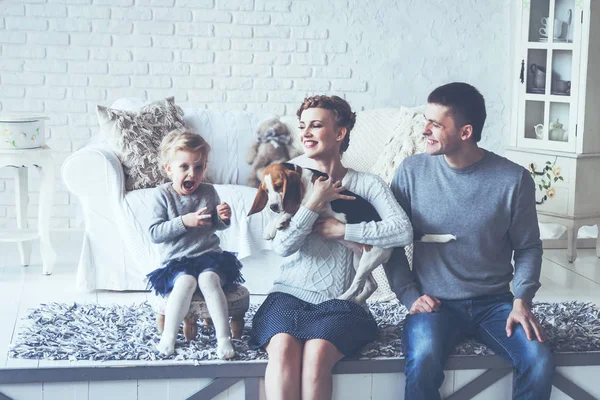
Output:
x=316 y=270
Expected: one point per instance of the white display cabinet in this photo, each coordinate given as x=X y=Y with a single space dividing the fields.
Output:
x=556 y=123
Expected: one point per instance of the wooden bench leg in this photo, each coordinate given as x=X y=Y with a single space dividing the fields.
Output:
x=237 y=326
x=190 y=328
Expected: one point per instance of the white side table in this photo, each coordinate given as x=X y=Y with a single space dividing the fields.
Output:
x=42 y=159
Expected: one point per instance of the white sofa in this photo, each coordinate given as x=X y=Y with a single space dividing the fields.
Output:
x=117 y=252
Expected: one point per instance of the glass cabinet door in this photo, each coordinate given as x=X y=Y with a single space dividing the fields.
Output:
x=549 y=73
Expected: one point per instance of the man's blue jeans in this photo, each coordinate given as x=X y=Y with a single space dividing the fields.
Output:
x=430 y=337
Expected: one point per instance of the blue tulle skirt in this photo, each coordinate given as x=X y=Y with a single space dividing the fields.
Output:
x=225 y=264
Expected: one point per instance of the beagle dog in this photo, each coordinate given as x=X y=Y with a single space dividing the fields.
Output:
x=285 y=187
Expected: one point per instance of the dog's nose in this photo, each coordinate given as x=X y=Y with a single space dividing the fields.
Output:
x=274 y=207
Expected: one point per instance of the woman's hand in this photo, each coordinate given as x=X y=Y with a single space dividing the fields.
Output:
x=224 y=212
x=324 y=191
x=330 y=228
x=197 y=219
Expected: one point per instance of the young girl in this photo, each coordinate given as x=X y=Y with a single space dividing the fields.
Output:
x=186 y=214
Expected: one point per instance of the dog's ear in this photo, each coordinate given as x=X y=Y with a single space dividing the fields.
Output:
x=260 y=201
x=292 y=192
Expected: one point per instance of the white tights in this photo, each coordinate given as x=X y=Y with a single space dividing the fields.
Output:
x=178 y=305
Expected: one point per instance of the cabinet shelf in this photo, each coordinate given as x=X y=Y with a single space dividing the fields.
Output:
x=551 y=45
x=552 y=97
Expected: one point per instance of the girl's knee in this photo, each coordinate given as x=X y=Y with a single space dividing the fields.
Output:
x=185 y=282
x=209 y=279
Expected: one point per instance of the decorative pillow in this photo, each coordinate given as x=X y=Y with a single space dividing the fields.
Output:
x=406 y=139
x=371 y=132
x=136 y=135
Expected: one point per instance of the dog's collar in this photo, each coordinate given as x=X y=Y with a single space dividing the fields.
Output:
x=315 y=174
x=293 y=167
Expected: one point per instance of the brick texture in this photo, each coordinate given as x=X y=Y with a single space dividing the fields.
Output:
x=63 y=57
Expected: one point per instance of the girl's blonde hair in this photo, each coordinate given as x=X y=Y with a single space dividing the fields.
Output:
x=184 y=140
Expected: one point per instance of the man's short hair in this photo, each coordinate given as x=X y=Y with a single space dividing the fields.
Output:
x=465 y=104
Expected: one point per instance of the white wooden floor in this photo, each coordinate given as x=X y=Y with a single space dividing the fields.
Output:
x=22 y=288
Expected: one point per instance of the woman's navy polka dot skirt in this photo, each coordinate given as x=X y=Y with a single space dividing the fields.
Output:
x=344 y=323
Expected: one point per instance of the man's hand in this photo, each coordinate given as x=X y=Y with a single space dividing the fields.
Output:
x=521 y=314
x=425 y=304
x=224 y=212
x=329 y=228
x=197 y=219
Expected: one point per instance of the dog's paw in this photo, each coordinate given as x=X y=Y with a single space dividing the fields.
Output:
x=354 y=299
x=269 y=232
x=365 y=294
x=283 y=221
x=346 y=296
x=354 y=290
x=225 y=349
x=283 y=224
x=165 y=347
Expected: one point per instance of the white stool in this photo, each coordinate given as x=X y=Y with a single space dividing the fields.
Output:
x=21 y=159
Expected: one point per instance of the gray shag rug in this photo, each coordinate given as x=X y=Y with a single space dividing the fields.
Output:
x=58 y=331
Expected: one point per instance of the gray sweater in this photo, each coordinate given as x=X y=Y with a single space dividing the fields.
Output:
x=489 y=207
x=316 y=270
x=167 y=229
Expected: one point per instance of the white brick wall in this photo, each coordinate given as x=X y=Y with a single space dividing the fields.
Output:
x=62 y=57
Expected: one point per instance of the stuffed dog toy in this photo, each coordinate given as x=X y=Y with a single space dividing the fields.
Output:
x=273 y=145
x=285 y=187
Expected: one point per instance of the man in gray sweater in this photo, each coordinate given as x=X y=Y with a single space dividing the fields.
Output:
x=462 y=288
